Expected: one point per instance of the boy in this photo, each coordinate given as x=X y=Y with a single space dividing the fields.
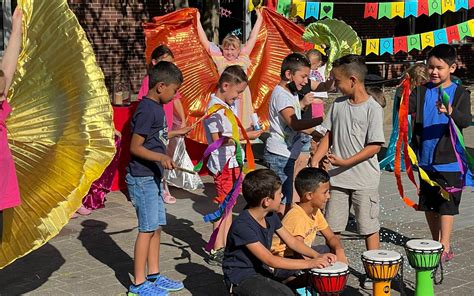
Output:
x=145 y=171
x=305 y=219
x=284 y=144
x=222 y=162
x=431 y=140
x=355 y=128
x=248 y=264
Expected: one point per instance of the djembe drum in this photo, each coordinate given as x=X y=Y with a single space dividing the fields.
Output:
x=331 y=280
x=424 y=256
x=381 y=266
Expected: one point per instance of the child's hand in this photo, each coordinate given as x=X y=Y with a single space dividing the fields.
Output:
x=118 y=134
x=337 y=161
x=329 y=257
x=325 y=163
x=258 y=11
x=184 y=130
x=442 y=108
x=342 y=258
x=183 y=124
x=308 y=99
x=166 y=162
x=254 y=134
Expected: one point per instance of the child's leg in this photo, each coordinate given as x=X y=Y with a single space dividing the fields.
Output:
x=372 y=241
x=366 y=209
x=142 y=247
x=447 y=222
x=284 y=168
x=434 y=221
x=154 y=253
x=337 y=209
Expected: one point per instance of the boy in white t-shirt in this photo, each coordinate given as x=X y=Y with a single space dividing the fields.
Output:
x=284 y=144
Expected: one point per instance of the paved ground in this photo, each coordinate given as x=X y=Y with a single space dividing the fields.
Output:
x=93 y=255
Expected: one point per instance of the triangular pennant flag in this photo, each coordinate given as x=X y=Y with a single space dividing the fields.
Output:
x=385 y=10
x=386 y=45
x=298 y=8
x=284 y=7
x=452 y=33
x=471 y=4
x=440 y=36
x=372 y=46
x=470 y=23
x=371 y=10
x=312 y=10
x=461 y=4
x=400 y=44
x=253 y=4
x=398 y=9
x=327 y=10
x=411 y=8
x=413 y=42
x=427 y=39
x=463 y=30
x=423 y=7
x=447 y=5
x=434 y=6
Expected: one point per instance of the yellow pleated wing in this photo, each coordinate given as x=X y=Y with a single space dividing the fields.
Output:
x=60 y=129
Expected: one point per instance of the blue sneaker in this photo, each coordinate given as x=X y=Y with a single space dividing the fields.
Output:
x=146 y=289
x=165 y=282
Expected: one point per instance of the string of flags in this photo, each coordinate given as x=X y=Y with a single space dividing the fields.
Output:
x=446 y=35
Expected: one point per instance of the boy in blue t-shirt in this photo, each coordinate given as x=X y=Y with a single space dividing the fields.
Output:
x=145 y=171
x=431 y=139
x=248 y=265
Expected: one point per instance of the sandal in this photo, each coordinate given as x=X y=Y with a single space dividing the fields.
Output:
x=168 y=198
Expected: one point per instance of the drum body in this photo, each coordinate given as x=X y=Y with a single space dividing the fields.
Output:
x=331 y=280
x=381 y=266
x=424 y=256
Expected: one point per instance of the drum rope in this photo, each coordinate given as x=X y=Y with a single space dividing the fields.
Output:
x=440 y=267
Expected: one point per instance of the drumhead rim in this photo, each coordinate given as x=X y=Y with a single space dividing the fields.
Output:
x=395 y=256
x=337 y=267
x=429 y=247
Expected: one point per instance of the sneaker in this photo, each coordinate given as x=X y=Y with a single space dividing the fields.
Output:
x=216 y=256
x=165 y=283
x=367 y=284
x=447 y=256
x=306 y=291
x=146 y=289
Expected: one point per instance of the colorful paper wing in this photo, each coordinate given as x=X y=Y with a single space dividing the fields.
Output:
x=335 y=34
x=60 y=131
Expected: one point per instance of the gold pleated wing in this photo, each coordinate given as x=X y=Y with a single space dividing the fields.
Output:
x=60 y=129
x=335 y=34
x=277 y=38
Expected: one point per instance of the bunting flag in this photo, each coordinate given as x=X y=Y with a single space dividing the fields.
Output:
x=398 y=9
x=461 y=4
x=447 y=5
x=411 y=8
x=312 y=10
x=420 y=41
x=327 y=10
x=283 y=7
x=423 y=7
x=434 y=6
x=385 y=10
x=371 y=10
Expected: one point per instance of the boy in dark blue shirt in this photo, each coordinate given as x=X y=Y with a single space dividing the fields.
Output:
x=431 y=139
x=145 y=171
x=248 y=264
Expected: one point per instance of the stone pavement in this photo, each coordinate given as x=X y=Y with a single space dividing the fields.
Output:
x=93 y=255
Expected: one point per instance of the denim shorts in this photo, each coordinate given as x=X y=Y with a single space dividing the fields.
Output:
x=284 y=167
x=146 y=194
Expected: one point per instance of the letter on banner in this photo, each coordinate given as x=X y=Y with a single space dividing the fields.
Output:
x=398 y=9
x=423 y=7
x=372 y=46
x=427 y=39
x=463 y=30
x=400 y=44
x=371 y=10
x=284 y=7
x=327 y=10
x=440 y=36
x=414 y=42
x=411 y=8
x=386 y=45
x=447 y=5
x=470 y=23
x=312 y=10
x=385 y=10
x=434 y=7
x=452 y=33
x=461 y=4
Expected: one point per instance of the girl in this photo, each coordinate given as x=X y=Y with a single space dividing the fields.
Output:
x=232 y=53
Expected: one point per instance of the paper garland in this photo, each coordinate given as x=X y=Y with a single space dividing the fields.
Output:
x=408 y=43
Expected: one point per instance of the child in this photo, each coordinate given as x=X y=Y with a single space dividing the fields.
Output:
x=305 y=219
x=174 y=110
x=222 y=163
x=378 y=95
x=248 y=263
x=355 y=128
x=284 y=144
x=148 y=149
x=431 y=140
x=9 y=191
x=232 y=53
x=318 y=67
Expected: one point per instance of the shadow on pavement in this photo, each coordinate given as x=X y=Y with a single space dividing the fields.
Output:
x=100 y=245
x=201 y=280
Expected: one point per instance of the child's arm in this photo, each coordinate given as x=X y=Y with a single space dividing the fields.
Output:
x=253 y=35
x=179 y=132
x=366 y=153
x=462 y=113
x=137 y=149
x=334 y=243
x=178 y=107
x=321 y=151
x=296 y=124
x=10 y=57
x=201 y=34
x=327 y=85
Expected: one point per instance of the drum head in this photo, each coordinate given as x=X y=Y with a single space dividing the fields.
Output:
x=424 y=244
x=337 y=267
x=382 y=255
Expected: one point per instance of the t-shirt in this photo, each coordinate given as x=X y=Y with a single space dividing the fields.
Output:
x=435 y=125
x=218 y=123
x=149 y=122
x=239 y=263
x=298 y=223
x=353 y=126
x=283 y=139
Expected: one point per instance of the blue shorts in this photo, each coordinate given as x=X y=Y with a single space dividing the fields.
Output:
x=146 y=194
x=284 y=167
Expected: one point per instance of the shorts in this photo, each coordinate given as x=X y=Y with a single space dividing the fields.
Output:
x=366 y=209
x=284 y=168
x=224 y=181
x=432 y=201
x=306 y=140
x=146 y=194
